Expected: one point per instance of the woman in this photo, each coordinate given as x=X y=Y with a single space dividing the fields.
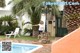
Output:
x=41 y=27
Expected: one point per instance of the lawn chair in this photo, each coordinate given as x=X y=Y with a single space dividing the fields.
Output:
x=15 y=33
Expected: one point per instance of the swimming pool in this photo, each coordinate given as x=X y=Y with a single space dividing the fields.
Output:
x=21 y=48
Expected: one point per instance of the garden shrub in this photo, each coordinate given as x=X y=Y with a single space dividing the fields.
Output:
x=12 y=24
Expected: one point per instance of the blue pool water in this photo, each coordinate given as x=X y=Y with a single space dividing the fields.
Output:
x=21 y=48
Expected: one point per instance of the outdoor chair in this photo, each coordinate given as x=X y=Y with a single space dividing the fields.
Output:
x=15 y=33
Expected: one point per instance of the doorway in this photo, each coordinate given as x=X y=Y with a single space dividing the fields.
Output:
x=60 y=31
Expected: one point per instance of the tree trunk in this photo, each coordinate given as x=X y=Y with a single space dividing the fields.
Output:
x=35 y=31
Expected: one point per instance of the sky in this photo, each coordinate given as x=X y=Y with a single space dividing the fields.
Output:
x=61 y=7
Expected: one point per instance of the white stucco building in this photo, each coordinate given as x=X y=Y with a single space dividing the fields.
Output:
x=5 y=12
x=7 y=9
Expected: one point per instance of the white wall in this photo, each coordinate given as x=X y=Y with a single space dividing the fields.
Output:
x=7 y=9
x=5 y=12
x=43 y=18
x=26 y=18
x=8 y=6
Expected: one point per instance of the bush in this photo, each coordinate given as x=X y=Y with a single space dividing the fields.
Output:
x=12 y=24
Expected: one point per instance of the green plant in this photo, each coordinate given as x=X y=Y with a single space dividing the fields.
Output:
x=35 y=14
x=6 y=28
x=6 y=18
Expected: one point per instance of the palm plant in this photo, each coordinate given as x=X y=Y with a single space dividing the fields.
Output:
x=71 y=16
x=33 y=7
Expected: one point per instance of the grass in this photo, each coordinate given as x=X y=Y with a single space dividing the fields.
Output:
x=27 y=38
x=21 y=37
x=24 y=38
x=2 y=36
